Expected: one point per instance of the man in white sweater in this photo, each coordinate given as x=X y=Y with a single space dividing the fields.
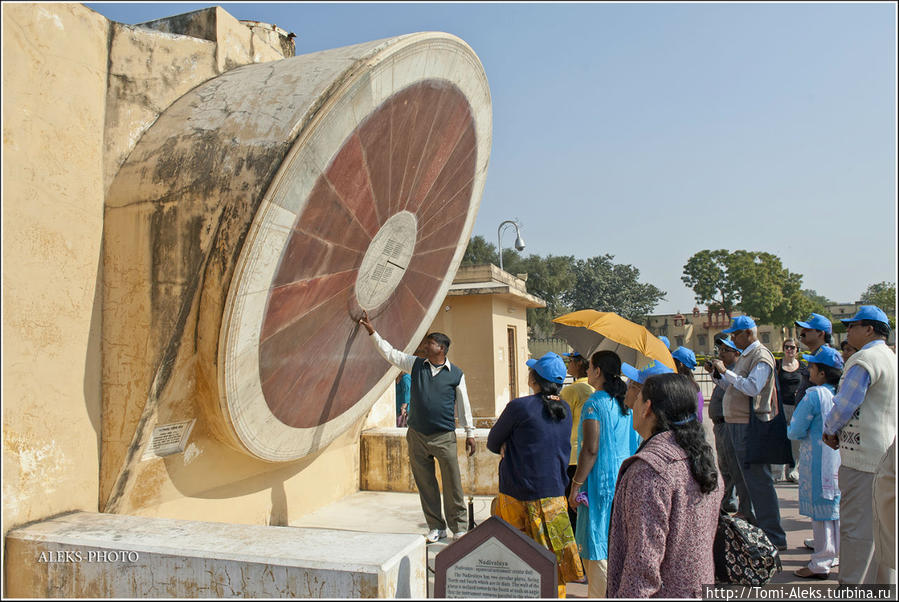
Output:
x=862 y=425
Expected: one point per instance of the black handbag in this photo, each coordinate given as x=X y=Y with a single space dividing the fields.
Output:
x=743 y=553
x=767 y=442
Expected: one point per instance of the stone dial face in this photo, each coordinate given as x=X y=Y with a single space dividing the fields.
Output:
x=371 y=210
x=378 y=232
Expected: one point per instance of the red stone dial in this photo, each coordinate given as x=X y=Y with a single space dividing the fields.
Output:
x=415 y=153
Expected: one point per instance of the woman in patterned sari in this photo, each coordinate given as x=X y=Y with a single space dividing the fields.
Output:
x=533 y=436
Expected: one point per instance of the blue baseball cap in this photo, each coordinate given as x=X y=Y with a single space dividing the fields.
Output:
x=550 y=367
x=666 y=341
x=816 y=322
x=640 y=376
x=731 y=344
x=826 y=355
x=685 y=356
x=868 y=312
x=740 y=323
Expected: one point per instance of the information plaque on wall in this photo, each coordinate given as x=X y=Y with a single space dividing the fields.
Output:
x=168 y=439
x=495 y=560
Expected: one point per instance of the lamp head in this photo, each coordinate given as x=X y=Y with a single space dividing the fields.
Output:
x=519 y=244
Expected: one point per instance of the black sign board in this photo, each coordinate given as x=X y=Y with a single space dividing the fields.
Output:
x=495 y=560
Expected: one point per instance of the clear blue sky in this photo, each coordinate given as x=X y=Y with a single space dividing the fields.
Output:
x=652 y=131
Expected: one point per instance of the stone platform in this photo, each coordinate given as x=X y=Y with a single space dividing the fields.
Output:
x=88 y=555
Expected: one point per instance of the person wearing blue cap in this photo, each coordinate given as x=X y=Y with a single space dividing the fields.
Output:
x=819 y=493
x=665 y=340
x=604 y=441
x=862 y=425
x=749 y=387
x=685 y=362
x=814 y=333
x=734 y=485
x=533 y=436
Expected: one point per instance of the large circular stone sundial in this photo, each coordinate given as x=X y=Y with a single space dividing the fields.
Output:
x=370 y=210
x=271 y=205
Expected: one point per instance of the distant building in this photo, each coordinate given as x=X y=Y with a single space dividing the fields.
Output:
x=697 y=330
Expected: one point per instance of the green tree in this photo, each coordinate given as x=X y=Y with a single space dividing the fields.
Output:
x=549 y=278
x=479 y=251
x=881 y=294
x=568 y=284
x=606 y=286
x=820 y=301
x=754 y=282
x=707 y=274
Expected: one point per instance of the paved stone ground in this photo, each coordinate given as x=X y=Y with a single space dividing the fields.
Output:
x=388 y=512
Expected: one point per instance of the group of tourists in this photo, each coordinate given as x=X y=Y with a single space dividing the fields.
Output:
x=613 y=473
x=840 y=413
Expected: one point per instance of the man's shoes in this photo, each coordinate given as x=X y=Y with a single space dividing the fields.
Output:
x=435 y=535
x=809 y=543
x=805 y=573
x=781 y=547
x=459 y=535
x=793 y=477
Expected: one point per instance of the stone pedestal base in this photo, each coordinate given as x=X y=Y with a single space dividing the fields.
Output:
x=86 y=555
x=385 y=463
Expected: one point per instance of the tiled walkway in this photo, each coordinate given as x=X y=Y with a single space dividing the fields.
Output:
x=386 y=512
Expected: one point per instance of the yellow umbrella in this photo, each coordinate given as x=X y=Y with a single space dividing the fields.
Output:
x=589 y=331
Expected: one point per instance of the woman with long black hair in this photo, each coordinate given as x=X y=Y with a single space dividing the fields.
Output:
x=533 y=436
x=667 y=499
x=604 y=441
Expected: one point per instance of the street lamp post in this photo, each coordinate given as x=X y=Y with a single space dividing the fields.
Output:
x=519 y=243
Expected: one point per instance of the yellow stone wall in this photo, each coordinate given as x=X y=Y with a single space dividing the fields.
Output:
x=67 y=125
x=54 y=98
x=468 y=323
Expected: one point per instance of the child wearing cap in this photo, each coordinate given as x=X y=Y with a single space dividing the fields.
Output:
x=819 y=494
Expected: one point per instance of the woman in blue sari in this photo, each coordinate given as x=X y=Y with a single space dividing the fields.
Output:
x=604 y=441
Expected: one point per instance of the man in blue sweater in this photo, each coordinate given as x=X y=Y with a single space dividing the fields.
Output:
x=438 y=395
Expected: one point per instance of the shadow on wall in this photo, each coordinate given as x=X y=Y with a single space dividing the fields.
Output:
x=403 y=577
x=93 y=366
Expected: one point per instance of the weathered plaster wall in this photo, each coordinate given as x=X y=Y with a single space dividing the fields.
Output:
x=154 y=64
x=65 y=133
x=54 y=95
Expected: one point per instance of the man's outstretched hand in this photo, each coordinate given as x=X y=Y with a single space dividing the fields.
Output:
x=364 y=322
